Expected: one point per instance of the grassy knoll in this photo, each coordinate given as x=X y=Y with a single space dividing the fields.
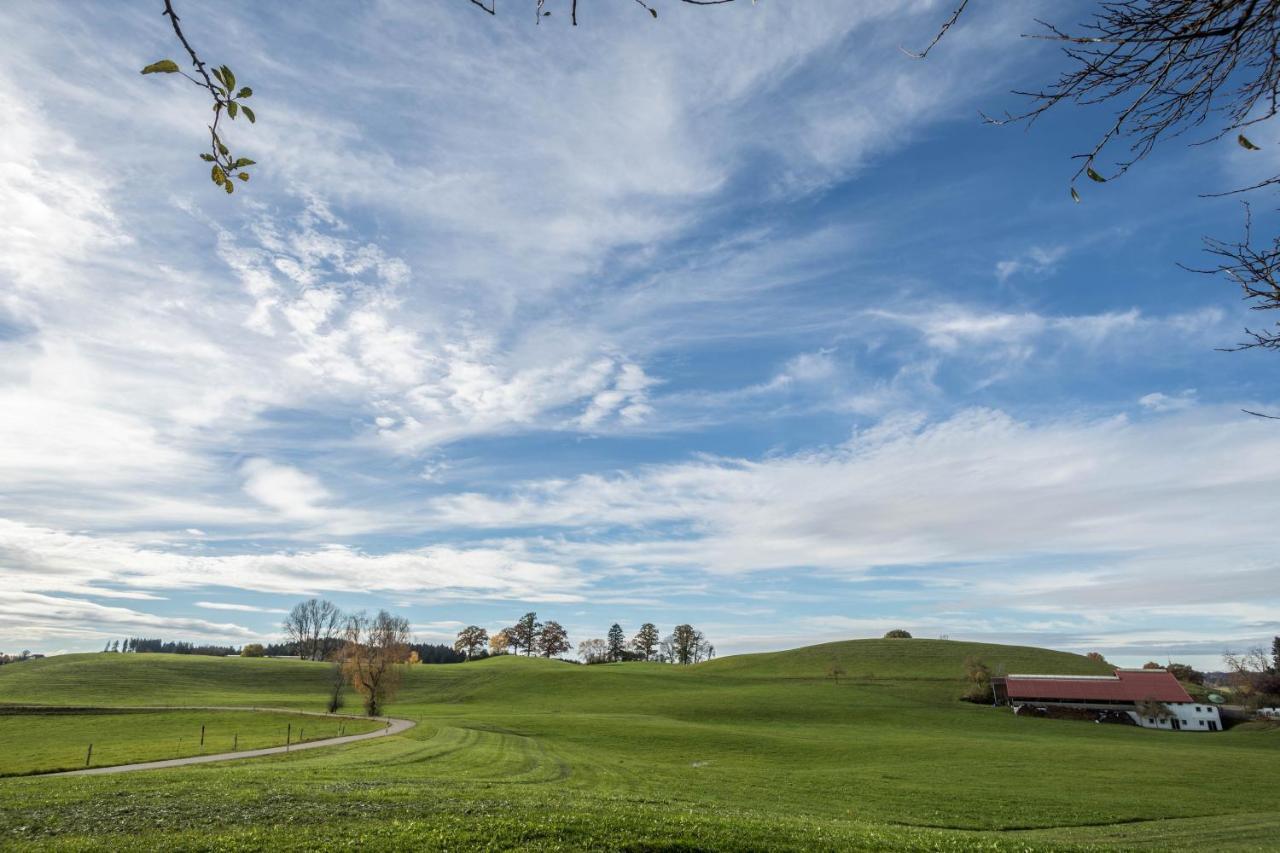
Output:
x=756 y=751
x=32 y=741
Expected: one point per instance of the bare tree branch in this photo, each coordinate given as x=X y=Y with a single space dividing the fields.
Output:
x=942 y=31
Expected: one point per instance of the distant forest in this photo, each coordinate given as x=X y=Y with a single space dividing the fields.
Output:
x=427 y=652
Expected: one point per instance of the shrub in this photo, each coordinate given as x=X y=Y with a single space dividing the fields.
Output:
x=898 y=634
x=253 y=650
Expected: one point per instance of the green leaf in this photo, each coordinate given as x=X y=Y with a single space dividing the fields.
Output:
x=244 y=92
x=229 y=187
x=242 y=162
x=217 y=75
x=1245 y=143
x=1075 y=196
x=228 y=78
x=232 y=107
x=223 y=148
x=244 y=176
x=208 y=158
x=218 y=175
x=164 y=66
x=1094 y=175
x=248 y=113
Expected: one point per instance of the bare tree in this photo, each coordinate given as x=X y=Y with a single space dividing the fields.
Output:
x=687 y=645
x=593 y=651
x=371 y=657
x=1254 y=267
x=337 y=686
x=1153 y=709
x=471 y=640
x=1169 y=67
x=1251 y=675
x=312 y=627
x=978 y=674
x=835 y=671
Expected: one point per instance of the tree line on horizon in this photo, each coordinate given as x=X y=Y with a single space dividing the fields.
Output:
x=368 y=653
x=528 y=636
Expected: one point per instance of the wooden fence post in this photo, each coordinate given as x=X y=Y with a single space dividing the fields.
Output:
x=235 y=741
x=88 y=756
x=202 y=735
x=288 y=735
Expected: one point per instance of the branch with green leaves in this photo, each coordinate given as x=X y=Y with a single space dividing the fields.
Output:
x=220 y=82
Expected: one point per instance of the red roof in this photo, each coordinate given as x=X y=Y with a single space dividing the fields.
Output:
x=1124 y=686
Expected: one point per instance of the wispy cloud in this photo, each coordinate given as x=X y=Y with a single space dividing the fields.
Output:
x=558 y=326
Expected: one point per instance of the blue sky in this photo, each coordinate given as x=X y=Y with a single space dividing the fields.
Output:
x=739 y=317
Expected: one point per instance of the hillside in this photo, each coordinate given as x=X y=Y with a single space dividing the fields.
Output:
x=116 y=680
x=752 y=751
x=903 y=659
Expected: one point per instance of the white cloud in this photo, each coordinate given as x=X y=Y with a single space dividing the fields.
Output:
x=1002 y=334
x=979 y=487
x=284 y=488
x=239 y=608
x=548 y=242
x=1036 y=261
x=38 y=559
x=1158 y=401
x=30 y=617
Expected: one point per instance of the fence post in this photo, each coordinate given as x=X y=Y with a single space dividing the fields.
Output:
x=88 y=756
x=301 y=734
x=201 y=735
x=288 y=735
x=235 y=741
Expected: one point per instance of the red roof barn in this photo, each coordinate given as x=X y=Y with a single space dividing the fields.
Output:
x=1126 y=687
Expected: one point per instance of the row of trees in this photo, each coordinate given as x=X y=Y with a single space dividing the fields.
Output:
x=171 y=647
x=684 y=645
x=25 y=654
x=548 y=639
x=529 y=636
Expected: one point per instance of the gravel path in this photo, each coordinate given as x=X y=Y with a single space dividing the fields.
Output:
x=392 y=726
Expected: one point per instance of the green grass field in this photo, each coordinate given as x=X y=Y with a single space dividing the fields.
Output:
x=35 y=742
x=748 y=752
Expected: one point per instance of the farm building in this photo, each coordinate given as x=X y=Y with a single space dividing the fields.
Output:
x=1151 y=698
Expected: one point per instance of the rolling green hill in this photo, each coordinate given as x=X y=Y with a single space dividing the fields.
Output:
x=755 y=751
x=904 y=659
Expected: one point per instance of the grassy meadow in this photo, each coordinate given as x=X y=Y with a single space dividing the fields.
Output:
x=36 y=741
x=747 y=752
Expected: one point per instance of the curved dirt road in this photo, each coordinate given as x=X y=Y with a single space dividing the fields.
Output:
x=392 y=726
